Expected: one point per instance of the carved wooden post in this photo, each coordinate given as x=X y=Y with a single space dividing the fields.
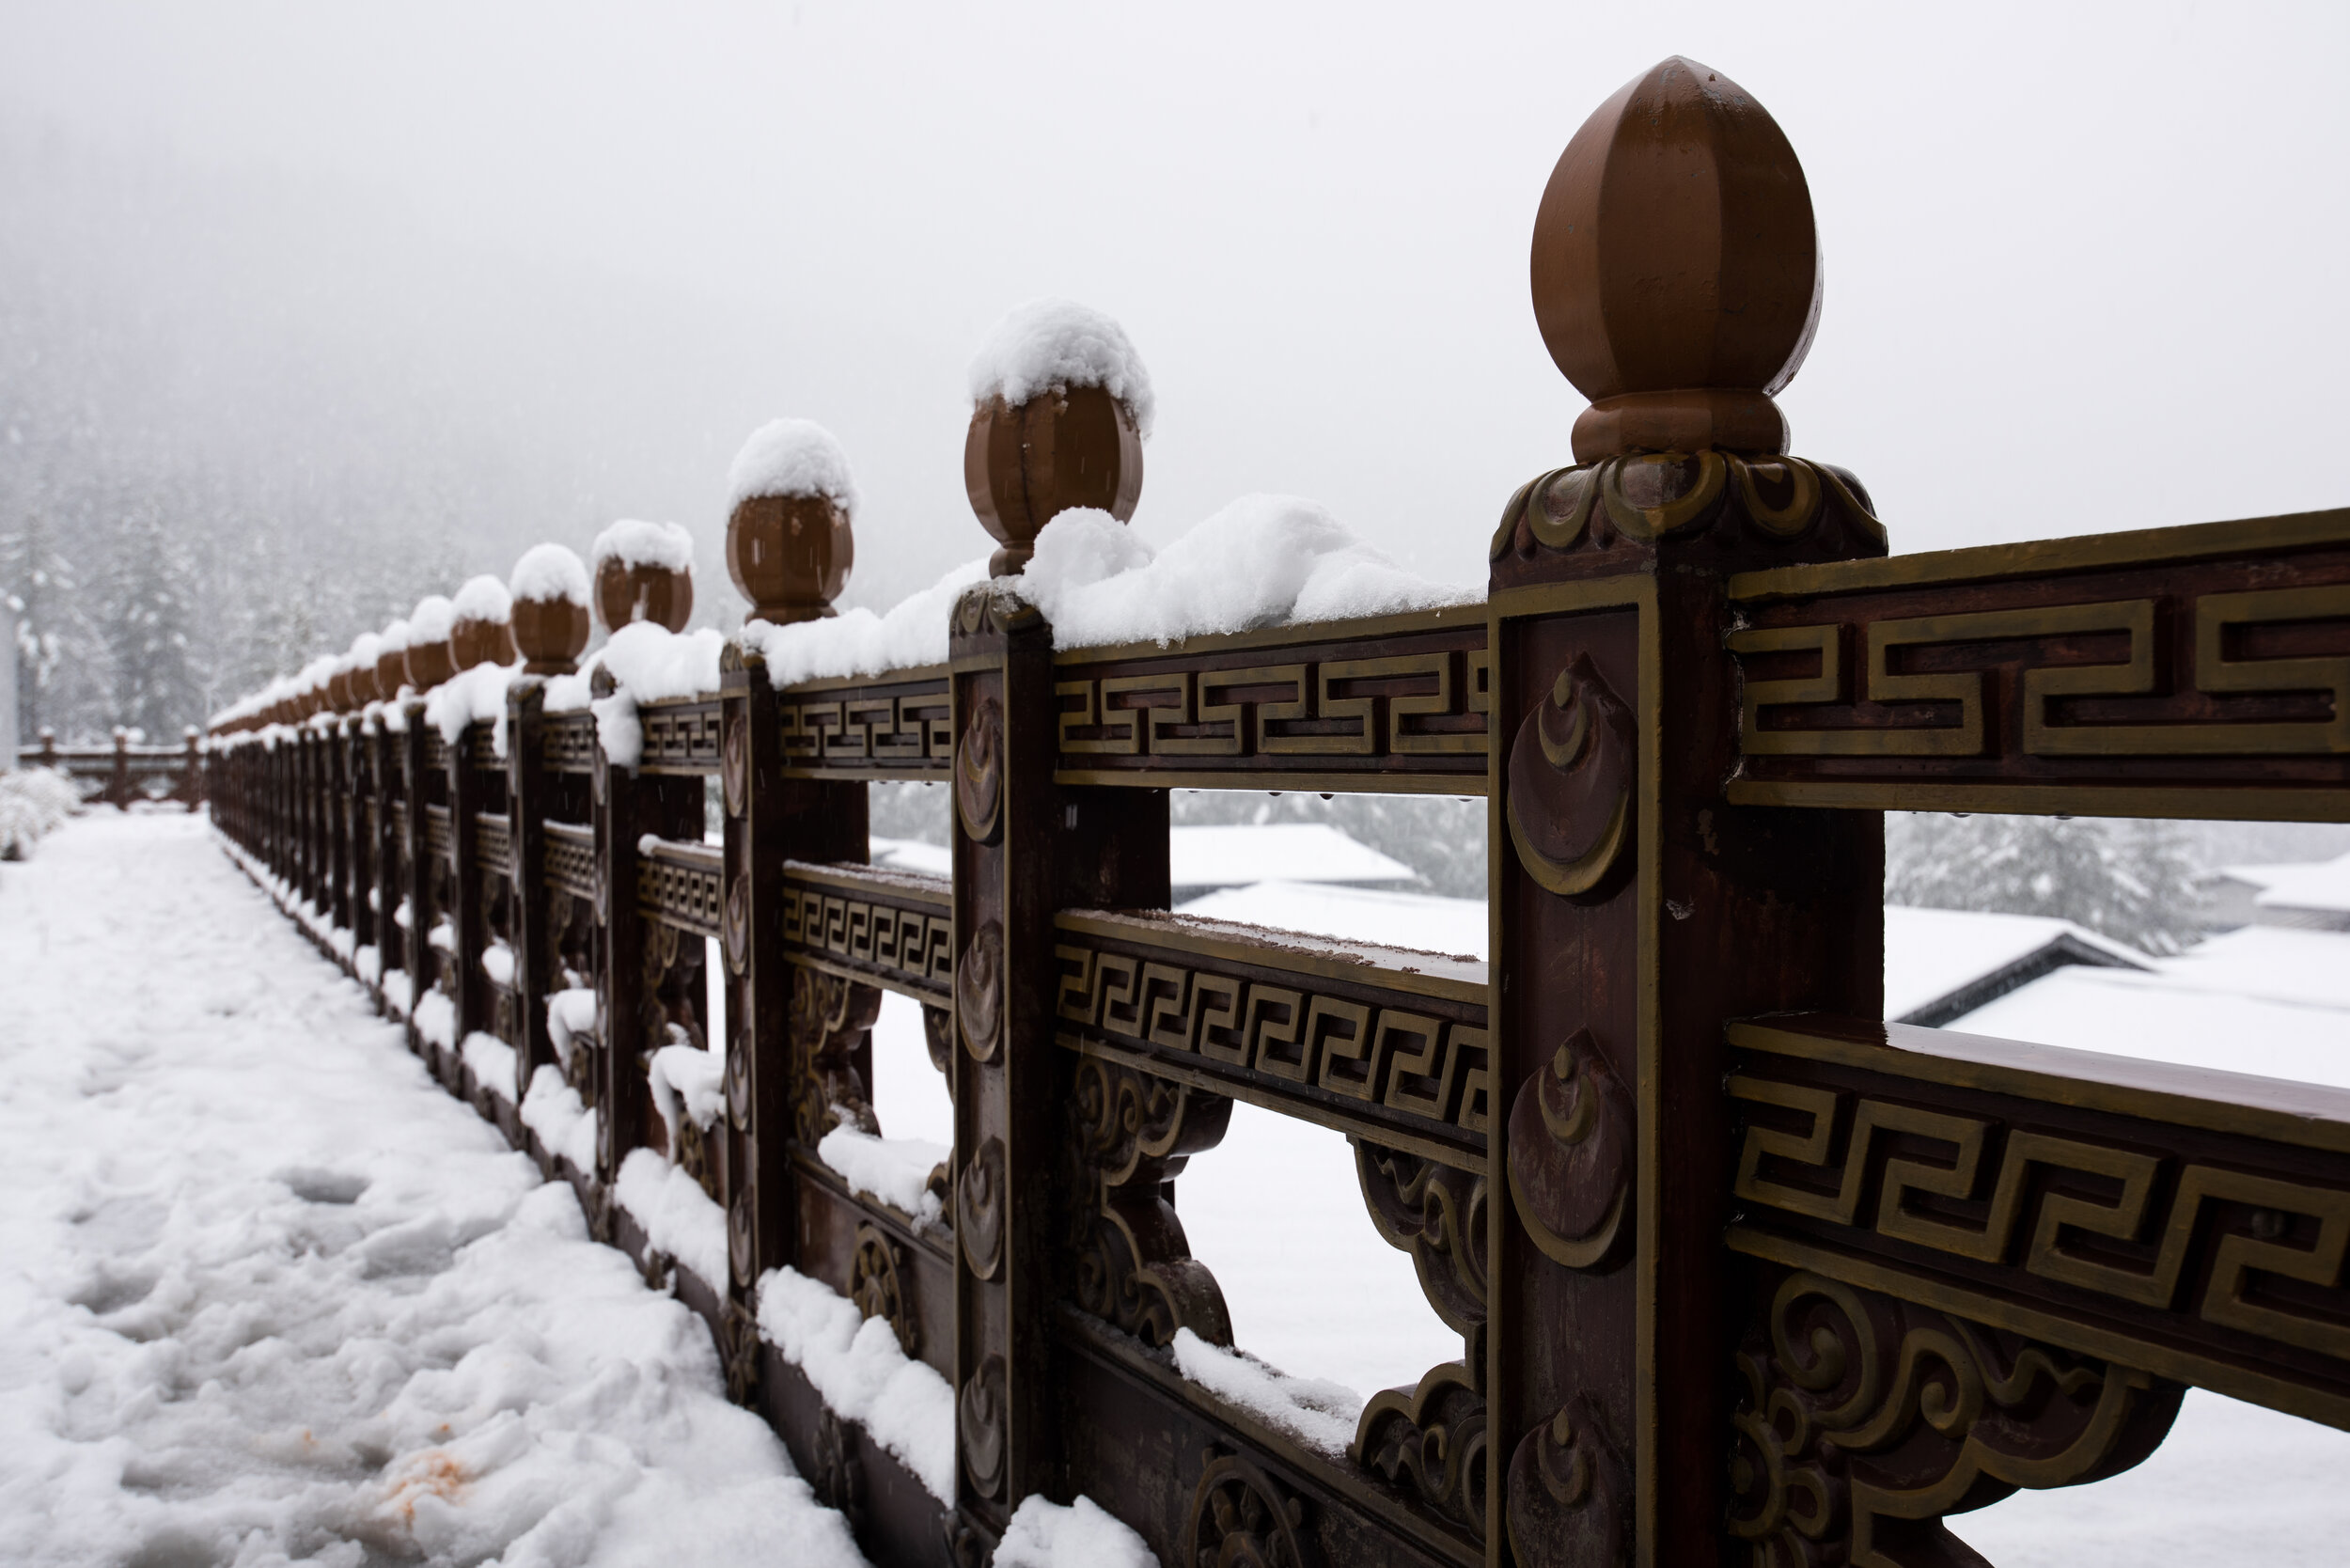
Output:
x=548 y=626
x=526 y=830
x=1023 y=848
x=119 y=781
x=472 y=985
x=627 y=807
x=1633 y=909
x=416 y=888
x=788 y=548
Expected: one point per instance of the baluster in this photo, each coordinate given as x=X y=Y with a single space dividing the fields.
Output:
x=1023 y=847
x=1633 y=909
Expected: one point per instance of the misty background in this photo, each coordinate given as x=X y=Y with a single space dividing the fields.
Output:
x=308 y=311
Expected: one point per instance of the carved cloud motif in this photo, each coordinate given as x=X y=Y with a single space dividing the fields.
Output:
x=1571 y=1137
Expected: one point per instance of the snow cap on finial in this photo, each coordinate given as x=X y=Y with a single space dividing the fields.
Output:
x=1061 y=407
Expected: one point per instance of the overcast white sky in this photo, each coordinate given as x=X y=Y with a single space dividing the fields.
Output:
x=2085 y=265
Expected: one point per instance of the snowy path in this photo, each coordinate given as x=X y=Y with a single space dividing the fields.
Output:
x=267 y=1294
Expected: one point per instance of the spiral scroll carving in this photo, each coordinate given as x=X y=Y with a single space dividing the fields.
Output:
x=829 y=1015
x=882 y=1286
x=1866 y=1419
x=1134 y=1268
x=1242 y=1518
x=1432 y=1440
x=1436 y=1213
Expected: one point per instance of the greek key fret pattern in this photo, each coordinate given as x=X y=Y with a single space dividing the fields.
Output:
x=494 y=841
x=1422 y=709
x=1357 y=1052
x=435 y=751
x=880 y=931
x=571 y=859
x=438 y=844
x=866 y=728
x=2154 y=685
x=567 y=742
x=2211 y=1255
x=680 y=738
x=683 y=885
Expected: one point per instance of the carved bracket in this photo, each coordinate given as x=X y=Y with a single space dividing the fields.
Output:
x=1134 y=1268
x=829 y=1016
x=1866 y=1419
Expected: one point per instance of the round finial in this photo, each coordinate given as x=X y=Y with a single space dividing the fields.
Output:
x=789 y=540
x=429 y=661
x=391 y=661
x=643 y=571
x=484 y=629
x=1676 y=269
x=366 y=649
x=1061 y=406
x=550 y=596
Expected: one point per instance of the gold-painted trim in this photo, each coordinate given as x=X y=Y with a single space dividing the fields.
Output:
x=879 y=884
x=2213 y=802
x=1444 y=617
x=1634 y=590
x=2040 y=557
x=1256 y=1092
x=2276 y=1110
x=1469 y=786
x=2088 y=1339
x=1445 y=978
x=887 y=680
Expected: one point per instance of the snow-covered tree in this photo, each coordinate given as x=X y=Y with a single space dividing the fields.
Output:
x=2135 y=880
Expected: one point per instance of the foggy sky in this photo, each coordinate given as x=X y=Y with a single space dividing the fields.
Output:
x=2083 y=265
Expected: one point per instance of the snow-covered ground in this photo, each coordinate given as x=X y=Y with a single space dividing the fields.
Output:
x=268 y=1294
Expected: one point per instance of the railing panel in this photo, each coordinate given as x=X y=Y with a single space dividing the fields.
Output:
x=2179 y=672
x=567 y=742
x=683 y=884
x=1399 y=704
x=893 y=726
x=2190 y=1223
x=681 y=737
x=883 y=927
x=1383 y=1044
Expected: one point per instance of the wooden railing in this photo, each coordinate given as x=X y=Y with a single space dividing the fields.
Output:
x=1735 y=1272
x=124 y=772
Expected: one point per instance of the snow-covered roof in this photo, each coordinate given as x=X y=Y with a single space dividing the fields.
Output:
x=1416 y=920
x=2323 y=886
x=1275 y=852
x=1940 y=964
